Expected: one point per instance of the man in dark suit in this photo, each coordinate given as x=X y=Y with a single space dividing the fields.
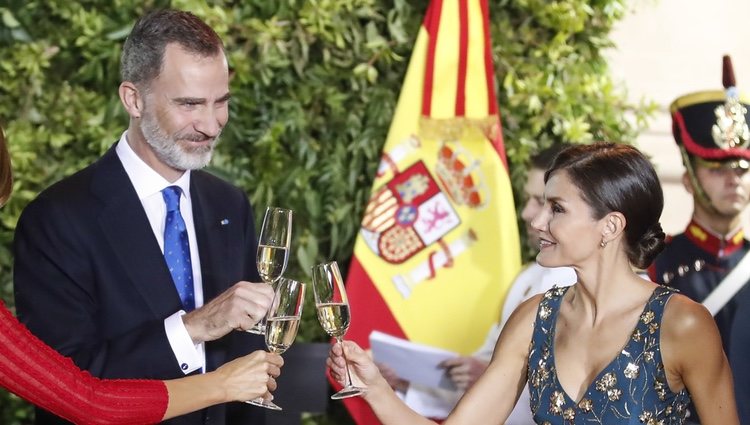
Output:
x=140 y=265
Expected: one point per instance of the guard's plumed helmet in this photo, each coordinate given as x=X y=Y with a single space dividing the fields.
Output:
x=711 y=128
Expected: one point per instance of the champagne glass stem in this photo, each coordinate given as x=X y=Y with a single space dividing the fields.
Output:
x=349 y=382
x=260 y=327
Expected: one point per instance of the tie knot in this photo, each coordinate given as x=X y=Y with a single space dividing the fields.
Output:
x=171 y=195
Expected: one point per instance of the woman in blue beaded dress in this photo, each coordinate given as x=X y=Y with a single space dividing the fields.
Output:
x=612 y=349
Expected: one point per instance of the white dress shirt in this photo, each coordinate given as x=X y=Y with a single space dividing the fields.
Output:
x=148 y=185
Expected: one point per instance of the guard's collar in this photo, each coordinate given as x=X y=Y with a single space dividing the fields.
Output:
x=712 y=242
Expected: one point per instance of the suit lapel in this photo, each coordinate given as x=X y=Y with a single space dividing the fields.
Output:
x=213 y=238
x=126 y=227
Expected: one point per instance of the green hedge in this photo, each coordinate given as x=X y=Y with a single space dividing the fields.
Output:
x=314 y=88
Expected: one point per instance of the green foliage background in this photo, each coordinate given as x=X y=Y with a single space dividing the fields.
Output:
x=315 y=85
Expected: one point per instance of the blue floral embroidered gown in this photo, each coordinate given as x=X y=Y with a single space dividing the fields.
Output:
x=632 y=389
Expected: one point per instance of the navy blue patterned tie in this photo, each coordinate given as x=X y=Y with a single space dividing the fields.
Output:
x=177 y=248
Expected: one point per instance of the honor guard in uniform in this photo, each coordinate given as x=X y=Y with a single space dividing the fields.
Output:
x=709 y=261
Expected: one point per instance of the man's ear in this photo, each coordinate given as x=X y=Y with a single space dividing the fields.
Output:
x=687 y=183
x=131 y=99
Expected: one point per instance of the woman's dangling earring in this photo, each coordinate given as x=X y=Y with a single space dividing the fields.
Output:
x=602 y=243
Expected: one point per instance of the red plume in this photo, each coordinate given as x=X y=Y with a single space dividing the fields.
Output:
x=727 y=76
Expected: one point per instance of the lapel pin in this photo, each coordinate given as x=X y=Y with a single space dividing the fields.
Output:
x=224 y=222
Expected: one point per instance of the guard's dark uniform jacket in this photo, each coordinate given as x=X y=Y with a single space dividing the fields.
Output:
x=695 y=262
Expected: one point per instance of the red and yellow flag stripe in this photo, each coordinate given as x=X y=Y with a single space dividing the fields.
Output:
x=439 y=245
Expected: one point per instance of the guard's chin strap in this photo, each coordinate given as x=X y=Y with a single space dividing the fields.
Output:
x=699 y=194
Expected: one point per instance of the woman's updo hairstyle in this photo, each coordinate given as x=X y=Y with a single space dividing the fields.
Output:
x=617 y=177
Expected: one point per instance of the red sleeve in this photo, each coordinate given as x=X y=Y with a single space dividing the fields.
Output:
x=39 y=374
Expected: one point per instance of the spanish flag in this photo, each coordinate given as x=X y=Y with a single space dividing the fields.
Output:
x=438 y=246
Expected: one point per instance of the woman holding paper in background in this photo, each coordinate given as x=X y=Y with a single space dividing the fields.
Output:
x=534 y=279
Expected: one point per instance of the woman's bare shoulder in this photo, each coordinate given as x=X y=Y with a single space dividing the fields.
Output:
x=521 y=322
x=528 y=308
x=686 y=318
x=688 y=332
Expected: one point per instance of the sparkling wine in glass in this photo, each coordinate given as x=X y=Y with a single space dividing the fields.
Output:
x=273 y=250
x=333 y=313
x=282 y=323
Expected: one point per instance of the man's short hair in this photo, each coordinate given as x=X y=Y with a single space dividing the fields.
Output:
x=143 y=51
x=543 y=159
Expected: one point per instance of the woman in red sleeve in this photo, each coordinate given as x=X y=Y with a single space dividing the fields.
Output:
x=39 y=374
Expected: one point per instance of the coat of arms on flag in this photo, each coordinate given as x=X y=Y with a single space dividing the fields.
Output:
x=413 y=210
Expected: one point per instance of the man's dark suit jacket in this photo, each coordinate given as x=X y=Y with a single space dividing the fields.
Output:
x=91 y=280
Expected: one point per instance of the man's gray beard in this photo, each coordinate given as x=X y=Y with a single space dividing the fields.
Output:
x=169 y=151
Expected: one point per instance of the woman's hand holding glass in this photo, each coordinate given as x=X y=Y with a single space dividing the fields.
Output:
x=250 y=376
x=282 y=323
x=354 y=366
x=273 y=250
x=333 y=313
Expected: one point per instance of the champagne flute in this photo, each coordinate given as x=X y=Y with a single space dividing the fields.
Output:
x=273 y=250
x=282 y=324
x=332 y=306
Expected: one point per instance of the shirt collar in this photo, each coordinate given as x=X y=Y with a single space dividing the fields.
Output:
x=712 y=242
x=145 y=179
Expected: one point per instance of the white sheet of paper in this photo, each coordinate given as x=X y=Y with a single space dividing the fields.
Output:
x=417 y=363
